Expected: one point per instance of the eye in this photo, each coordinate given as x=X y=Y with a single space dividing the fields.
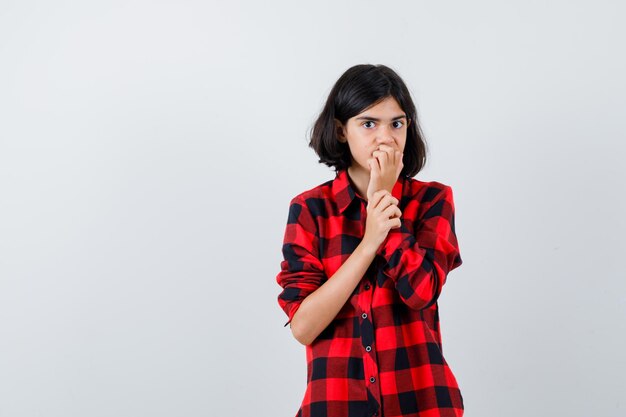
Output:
x=368 y=121
x=401 y=124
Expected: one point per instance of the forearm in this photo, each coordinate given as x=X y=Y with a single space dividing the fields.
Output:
x=320 y=307
x=419 y=270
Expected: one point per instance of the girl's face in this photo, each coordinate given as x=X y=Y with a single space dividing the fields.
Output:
x=383 y=123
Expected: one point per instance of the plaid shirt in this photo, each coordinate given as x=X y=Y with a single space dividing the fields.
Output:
x=382 y=354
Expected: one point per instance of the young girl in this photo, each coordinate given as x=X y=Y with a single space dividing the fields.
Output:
x=365 y=258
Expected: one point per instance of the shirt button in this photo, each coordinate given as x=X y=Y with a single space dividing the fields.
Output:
x=375 y=413
x=368 y=348
x=364 y=315
x=372 y=379
x=367 y=286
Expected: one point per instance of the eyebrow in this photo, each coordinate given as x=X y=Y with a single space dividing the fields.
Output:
x=378 y=120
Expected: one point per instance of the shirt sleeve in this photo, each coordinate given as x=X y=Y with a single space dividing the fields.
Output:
x=301 y=272
x=419 y=264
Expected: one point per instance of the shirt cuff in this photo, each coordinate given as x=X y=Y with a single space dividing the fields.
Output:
x=398 y=240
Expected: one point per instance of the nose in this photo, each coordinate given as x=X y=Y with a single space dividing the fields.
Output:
x=385 y=135
x=385 y=139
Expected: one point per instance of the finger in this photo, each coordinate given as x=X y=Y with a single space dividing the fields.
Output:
x=389 y=151
x=399 y=163
x=382 y=157
x=378 y=198
x=398 y=157
x=387 y=204
x=378 y=153
x=374 y=166
x=393 y=201
x=395 y=223
x=392 y=211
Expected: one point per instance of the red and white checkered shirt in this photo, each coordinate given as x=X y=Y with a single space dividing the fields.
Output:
x=382 y=354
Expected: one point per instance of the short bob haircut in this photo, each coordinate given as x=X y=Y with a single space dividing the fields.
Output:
x=359 y=88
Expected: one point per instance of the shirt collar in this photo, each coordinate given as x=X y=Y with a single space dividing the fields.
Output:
x=344 y=192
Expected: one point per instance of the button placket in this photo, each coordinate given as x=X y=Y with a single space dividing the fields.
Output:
x=367 y=340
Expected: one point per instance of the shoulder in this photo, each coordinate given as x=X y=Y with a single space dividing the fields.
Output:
x=314 y=198
x=318 y=191
x=426 y=191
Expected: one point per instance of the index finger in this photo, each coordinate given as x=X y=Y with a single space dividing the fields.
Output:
x=378 y=196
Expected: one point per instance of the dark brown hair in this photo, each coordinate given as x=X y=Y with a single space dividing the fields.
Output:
x=358 y=88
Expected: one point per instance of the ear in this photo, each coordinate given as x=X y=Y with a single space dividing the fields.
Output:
x=339 y=129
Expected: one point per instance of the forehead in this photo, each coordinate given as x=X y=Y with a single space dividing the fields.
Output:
x=387 y=109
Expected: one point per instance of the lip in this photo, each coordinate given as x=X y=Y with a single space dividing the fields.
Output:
x=376 y=149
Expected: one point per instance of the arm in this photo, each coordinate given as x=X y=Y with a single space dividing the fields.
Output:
x=310 y=300
x=419 y=264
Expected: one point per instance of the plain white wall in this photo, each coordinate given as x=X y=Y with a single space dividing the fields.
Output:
x=149 y=150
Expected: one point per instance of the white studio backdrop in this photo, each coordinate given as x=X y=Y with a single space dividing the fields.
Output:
x=149 y=151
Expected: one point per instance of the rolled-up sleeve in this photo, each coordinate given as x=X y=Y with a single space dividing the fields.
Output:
x=420 y=262
x=301 y=272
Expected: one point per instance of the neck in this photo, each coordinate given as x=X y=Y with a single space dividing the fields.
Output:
x=360 y=180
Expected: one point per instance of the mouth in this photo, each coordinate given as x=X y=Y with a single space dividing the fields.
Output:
x=377 y=149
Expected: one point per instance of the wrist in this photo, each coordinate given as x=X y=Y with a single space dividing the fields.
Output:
x=367 y=248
